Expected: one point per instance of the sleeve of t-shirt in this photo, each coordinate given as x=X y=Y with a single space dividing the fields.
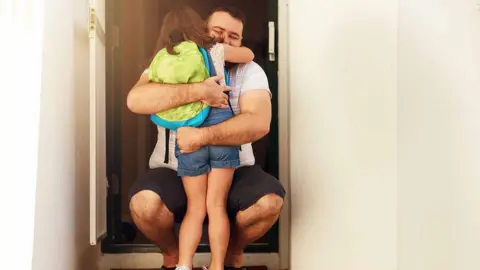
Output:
x=254 y=78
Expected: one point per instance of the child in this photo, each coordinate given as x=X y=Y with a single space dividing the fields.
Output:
x=211 y=166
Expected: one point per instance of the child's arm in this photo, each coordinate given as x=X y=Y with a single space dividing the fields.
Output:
x=238 y=55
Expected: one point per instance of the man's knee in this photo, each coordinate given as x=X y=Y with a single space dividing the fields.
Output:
x=267 y=209
x=146 y=206
x=270 y=205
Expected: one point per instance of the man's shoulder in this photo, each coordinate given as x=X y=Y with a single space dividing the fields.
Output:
x=249 y=74
x=248 y=77
x=252 y=64
x=251 y=67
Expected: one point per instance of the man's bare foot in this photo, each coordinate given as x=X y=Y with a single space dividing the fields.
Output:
x=234 y=259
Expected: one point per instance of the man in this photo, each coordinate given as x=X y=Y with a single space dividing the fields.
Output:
x=157 y=199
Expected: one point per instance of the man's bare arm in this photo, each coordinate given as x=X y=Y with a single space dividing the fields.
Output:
x=250 y=125
x=148 y=98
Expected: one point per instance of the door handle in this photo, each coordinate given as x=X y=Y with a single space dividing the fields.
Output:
x=271 y=41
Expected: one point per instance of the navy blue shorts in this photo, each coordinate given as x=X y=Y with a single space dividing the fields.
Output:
x=248 y=186
x=208 y=157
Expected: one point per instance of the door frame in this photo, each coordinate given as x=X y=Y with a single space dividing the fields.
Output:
x=284 y=131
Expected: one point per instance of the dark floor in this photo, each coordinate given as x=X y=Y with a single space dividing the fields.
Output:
x=248 y=268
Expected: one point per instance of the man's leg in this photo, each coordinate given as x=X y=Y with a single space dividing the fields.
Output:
x=156 y=199
x=257 y=199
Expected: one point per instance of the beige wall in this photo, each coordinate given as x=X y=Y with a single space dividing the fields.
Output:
x=61 y=210
x=439 y=135
x=382 y=84
x=343 y=89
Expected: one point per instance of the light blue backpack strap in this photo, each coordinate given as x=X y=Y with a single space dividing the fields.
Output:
x=205 y=59
x=227 y=79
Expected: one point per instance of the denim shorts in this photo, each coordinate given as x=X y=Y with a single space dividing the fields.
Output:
x=208 y=157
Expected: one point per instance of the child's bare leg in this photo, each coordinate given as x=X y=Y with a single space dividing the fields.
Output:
x=191 y=228
x=219 y=182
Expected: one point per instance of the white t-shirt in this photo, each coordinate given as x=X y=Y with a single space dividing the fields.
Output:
x=242 y=78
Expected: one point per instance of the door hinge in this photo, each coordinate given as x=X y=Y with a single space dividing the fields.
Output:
x=92 y=22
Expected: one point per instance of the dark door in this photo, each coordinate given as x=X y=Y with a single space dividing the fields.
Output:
x=134 y=26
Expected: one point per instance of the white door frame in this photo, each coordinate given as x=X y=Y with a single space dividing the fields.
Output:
x=284 y=132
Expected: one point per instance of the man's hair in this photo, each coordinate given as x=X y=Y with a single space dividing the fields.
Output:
x=232 y=11
x=182 y=23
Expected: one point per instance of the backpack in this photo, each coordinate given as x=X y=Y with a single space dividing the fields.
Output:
x=192 y=64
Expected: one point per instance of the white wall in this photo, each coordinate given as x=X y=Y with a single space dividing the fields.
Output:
x=344 y=163
x=439 y=135
x=61 y=216
x=343 y=116
x=20 y=86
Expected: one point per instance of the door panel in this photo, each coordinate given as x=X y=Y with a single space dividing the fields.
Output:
x=98 y=173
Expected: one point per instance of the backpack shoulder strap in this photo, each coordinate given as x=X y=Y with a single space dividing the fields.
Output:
x=167 y=146
x=207 y=58
x=227 y=82
x=227 y=79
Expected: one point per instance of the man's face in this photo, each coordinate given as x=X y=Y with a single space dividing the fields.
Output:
x=221 y=24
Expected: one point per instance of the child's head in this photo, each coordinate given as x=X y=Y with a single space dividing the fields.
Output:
x=183 y=24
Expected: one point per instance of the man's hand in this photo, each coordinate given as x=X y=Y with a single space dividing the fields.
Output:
x=190 y=139
x=214 y=94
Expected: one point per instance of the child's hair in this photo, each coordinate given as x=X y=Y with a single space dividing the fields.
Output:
x=182 y=23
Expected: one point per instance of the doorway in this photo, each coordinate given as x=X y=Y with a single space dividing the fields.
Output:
x=134 y=26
